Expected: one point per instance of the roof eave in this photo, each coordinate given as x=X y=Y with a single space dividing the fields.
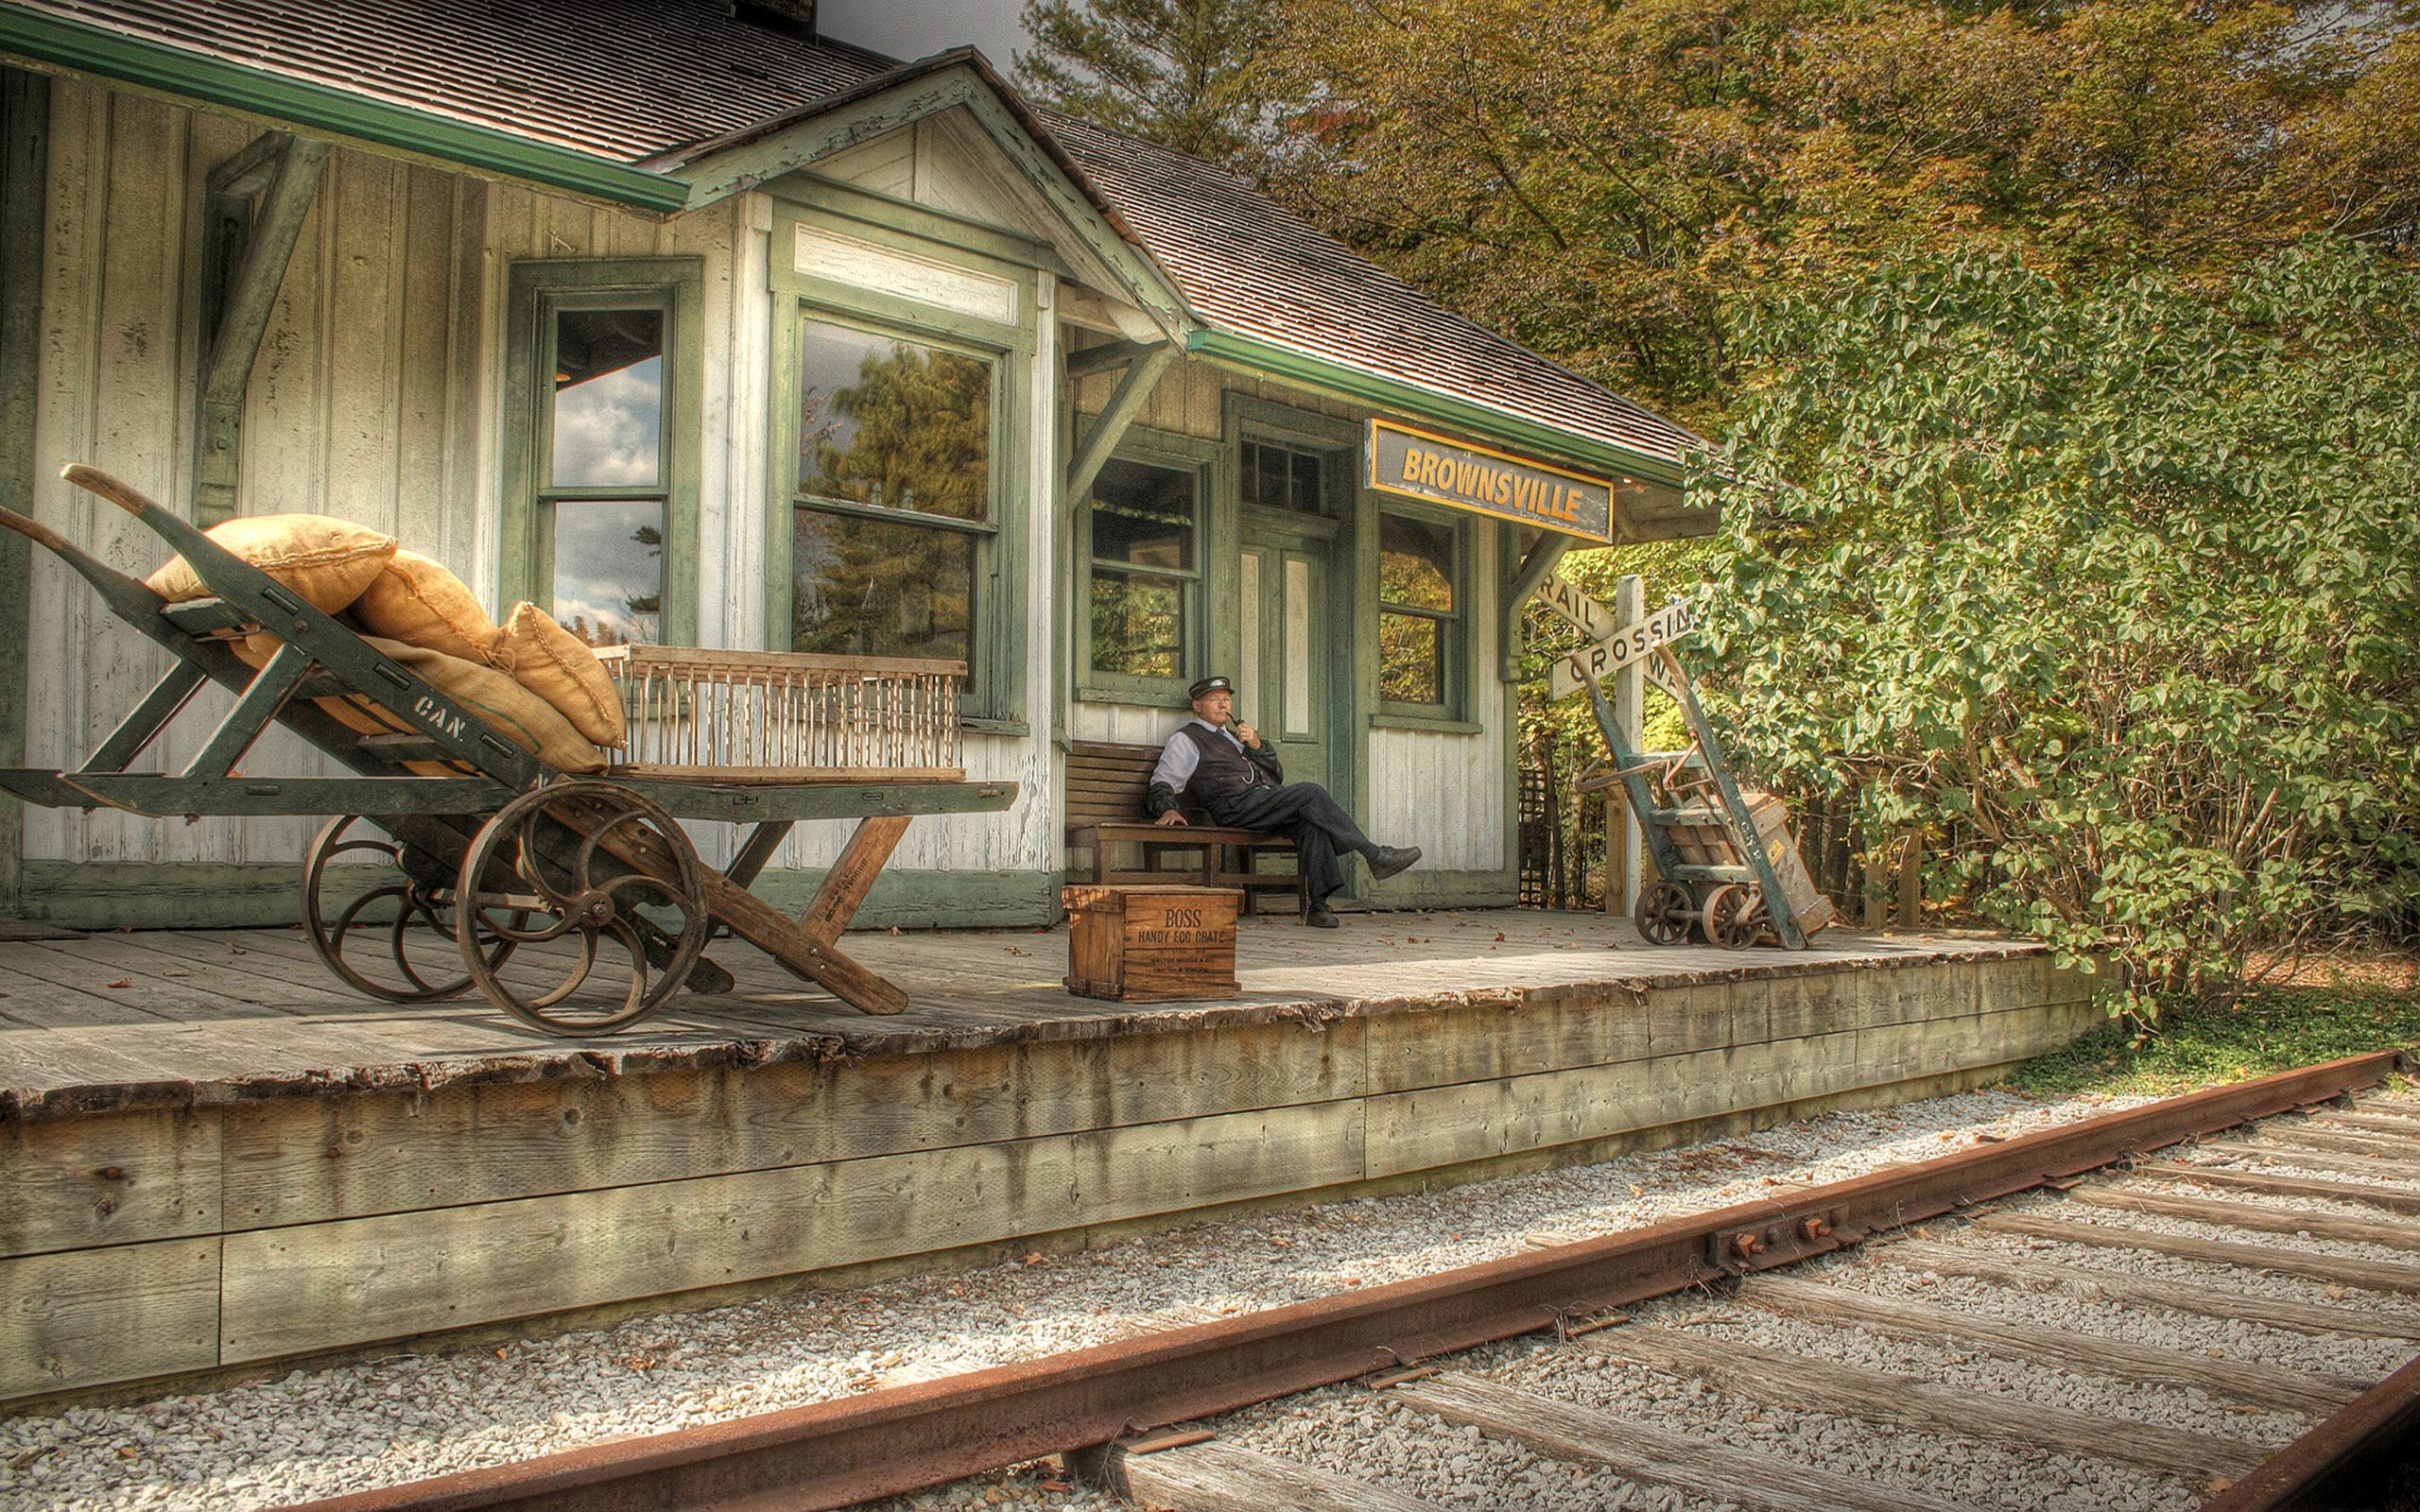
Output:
x=50 y=45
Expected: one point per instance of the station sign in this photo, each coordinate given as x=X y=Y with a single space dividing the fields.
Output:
x=1461 y=477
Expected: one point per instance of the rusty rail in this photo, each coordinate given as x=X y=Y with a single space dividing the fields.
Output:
x=2329 y=1466
x=883 y=1443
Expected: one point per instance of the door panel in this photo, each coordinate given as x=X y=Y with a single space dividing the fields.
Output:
x=1286 y=660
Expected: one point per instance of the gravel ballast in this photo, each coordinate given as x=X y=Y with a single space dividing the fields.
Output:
x=415 y=1414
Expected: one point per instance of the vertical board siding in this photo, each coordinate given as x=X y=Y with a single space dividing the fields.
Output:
x=1446 y=792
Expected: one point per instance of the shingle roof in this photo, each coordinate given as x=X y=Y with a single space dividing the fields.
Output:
x=630 y=80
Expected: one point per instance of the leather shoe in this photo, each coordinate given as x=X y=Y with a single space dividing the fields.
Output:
x=1390 y=860
x=1318 y=917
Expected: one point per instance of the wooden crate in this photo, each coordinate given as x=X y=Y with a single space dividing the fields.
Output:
x=1151 y=944
x=1700 y=838
x=785 y=717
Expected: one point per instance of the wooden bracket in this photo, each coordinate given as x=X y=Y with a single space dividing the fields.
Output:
x=1143 y=366
x=1518 y=585
x=252 y=217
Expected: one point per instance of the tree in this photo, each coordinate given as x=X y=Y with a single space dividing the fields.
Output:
x=2116 y=590
x=1180 y=73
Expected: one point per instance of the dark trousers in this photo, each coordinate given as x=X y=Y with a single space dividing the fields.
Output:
x=1305 y=815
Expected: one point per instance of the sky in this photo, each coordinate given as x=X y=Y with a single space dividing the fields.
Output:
x=912 y=28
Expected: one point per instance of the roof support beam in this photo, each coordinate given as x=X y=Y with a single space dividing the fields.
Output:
x=1143 y=369
x=1519 y=584
x=253 y=217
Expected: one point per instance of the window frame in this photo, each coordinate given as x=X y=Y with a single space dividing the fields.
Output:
x=537 y=290
x=1452 y=711
x=993 y=696
x=1177 y=454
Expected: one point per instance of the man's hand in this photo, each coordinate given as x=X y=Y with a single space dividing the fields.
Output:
x=1171 y=817
x=1250 y=736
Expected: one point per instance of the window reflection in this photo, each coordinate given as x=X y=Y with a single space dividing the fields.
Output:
x=1279 y=477
x=1143 y=515
x=1144 y=519
x=608 y=399
x=892 y=422
x=1415 y=563
x=609 y=569
x=863 y=587
x=1138 y=625
x=1412 y=659
x=1416 y=614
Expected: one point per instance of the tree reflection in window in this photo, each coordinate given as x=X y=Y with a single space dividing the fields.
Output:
x=1417 y=616
x=1143 y=525
x=899 y=434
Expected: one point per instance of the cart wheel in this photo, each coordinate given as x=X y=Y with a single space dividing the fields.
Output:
x=1734 y=915
x=568 y=869
x=395 y=940
x=1665 y=913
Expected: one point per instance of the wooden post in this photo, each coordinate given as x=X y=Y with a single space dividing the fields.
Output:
x=1622 y=850
x=1911 y=882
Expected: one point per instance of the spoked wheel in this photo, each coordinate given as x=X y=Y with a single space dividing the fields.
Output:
x=394 y=937
x=564 y=874
x=1734 y=915
x=1665 y=913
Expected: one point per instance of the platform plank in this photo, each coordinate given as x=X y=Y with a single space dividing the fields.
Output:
x=95 y=1316
x=114 y=1180
x=318 y=1285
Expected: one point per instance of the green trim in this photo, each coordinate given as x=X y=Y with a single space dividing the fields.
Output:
x=1434 y=724
x=721 y=173
x=1397 y=397
x=675 y=285
x=895 y=220
x=1531 y=570
x=995 y=681
x=101 y=53
x=25 y=184
x=227 y=895
x=901 y=899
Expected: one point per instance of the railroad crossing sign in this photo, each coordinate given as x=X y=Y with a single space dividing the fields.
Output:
x=1616 y=646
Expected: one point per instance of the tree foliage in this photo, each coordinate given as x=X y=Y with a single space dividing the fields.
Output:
x=2118 y=591
x=1603 y=181
x=1182 y=73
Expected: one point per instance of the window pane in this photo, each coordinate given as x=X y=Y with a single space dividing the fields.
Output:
x=1306 y=496
x=875 y=588
x=1416 y=563
x=1412 y=659
x=1279 y=479
x=1143 y=515
x=1138 y=625
x=609 y=399
x=895 y=423
x=609 y=569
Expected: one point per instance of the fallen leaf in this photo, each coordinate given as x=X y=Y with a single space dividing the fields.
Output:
x=1034 y=1258
x=895 y=929
x=120 y=982
x=1499 y=937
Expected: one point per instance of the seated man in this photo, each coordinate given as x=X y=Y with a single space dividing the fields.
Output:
x=1220 y=765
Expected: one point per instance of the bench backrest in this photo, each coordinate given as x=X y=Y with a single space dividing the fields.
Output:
x=1106 y=781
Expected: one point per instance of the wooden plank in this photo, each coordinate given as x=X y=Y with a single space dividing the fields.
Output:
x=2245 y=1381
x=324 y=1285
x=2369 y=1275
x=309 y=1160
x=2285 y=1186
x=1655 y=1456
x=2309 y=1160
x=84 y=1000
x=95 y=1316
x=1774 y=1376
x=1216 y=1476
x=2249 y=1215
x=2140 y=1291
x=2304 y=1136
x=2371 y=1123
x=844 y=884
x=112 y=1178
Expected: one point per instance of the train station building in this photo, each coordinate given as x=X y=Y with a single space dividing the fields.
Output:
x=701 y=328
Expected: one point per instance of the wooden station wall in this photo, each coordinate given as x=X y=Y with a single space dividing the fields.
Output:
x=143 y=1243
x=377 y=396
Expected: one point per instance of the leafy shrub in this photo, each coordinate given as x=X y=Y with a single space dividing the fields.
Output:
x=2116 y=591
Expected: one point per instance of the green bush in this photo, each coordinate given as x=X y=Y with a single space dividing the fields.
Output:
x=2112 y=591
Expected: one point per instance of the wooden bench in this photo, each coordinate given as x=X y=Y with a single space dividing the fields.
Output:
x=1105 y=787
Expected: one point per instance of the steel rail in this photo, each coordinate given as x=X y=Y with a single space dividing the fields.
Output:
x=2337 y=1461
x=834 y=1454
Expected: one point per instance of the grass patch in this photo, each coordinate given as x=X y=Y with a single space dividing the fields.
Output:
x=2270 y=1030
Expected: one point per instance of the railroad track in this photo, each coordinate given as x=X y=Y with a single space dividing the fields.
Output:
x=2197 y=1302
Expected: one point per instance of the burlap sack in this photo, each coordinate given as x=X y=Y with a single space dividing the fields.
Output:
x=327 y=561
x=514 y=712
x=415 y=600
x=558 y=666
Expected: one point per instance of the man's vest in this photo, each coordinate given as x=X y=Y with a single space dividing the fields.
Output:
x=1225 y=770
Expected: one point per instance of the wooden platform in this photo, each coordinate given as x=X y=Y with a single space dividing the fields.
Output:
x=216 y=1157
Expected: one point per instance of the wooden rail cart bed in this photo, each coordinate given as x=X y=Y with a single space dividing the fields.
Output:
x=455 y=858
